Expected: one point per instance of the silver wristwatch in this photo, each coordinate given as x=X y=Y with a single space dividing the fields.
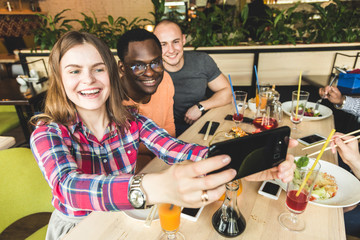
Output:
x=136 y=195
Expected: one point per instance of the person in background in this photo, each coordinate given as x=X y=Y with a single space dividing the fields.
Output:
x=342 y=102
x=146 y=84
x=192 y=73
x=86 y=142
x=349 y=153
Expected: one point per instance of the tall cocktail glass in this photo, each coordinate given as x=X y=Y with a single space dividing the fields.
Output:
x=297 y=204
x=298 y=105
x=239 y=106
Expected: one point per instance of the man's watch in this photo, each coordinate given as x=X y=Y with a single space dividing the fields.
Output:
x=201 y=107
x=136 y=194
x=338 y=106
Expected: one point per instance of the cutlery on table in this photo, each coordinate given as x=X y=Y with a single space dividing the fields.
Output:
x=317 y=152
x=322 y=142
x=151 y=215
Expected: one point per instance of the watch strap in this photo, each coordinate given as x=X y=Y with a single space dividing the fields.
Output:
x=201 y=107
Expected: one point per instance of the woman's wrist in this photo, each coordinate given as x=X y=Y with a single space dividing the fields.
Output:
x=356 y=169
x=153 y=188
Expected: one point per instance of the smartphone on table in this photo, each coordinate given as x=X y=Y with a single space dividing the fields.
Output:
x=311 y=139
x=254 y=153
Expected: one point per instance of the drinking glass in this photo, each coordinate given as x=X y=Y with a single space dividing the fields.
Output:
x=239 y=106
x=300 y=101
x=297 y=204
x=169 y=215
x=264 y=118
x=263 y=88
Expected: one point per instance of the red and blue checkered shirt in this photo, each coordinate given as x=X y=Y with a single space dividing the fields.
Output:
x=89 y=175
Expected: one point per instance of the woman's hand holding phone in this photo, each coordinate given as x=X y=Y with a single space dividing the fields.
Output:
x=183 y=184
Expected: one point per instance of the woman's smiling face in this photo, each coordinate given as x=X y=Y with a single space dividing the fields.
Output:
x=85 y=78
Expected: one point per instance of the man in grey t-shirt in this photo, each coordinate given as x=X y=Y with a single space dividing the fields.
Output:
x=192 y=73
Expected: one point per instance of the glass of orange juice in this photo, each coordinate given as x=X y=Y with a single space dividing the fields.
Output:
x=222 y=198
x=263 y=88
x=169 y=215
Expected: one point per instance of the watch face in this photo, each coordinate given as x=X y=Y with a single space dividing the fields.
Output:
x=136 y=198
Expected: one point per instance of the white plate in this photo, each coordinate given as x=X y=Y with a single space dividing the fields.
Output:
x=140 y=214
x=348 y=193
x=324 y=111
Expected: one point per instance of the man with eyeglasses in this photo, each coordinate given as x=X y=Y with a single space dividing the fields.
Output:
x=146 y=83
x=192 y=73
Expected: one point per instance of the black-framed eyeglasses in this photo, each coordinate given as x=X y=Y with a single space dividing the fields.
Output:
x=140 y=68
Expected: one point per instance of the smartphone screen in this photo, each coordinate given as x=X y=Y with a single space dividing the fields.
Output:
x=311 y=139
x=254 y=153
x=271 y=188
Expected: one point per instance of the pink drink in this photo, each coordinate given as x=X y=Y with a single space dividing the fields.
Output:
x=295 y=120
x=265 y=124
x=296 y=204
x=238 y=117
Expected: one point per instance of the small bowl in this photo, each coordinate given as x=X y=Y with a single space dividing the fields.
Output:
x=252 y=105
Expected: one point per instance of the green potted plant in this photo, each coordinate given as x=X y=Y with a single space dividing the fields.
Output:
x=110 y=30
x=218 y=27
x=337 y=22
x=50 y=29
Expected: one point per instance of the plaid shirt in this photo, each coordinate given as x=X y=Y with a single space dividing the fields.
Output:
x=90 y=175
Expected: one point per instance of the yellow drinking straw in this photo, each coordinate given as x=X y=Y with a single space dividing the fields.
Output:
x=298 y=97
x=316 y=161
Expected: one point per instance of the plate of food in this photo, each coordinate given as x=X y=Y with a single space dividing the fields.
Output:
x=310 y=115
x=334 y=187
x=140 y=214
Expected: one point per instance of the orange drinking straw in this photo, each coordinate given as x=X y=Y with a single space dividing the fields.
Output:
x=298 y=97
x=316 y=161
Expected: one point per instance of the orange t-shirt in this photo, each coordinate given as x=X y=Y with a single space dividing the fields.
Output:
x=160 y=106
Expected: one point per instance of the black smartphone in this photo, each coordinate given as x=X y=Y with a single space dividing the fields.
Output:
x=254 y=153
x=213 y=128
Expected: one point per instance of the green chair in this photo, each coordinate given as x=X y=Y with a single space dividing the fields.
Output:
x=8 y=118
x=25 y=196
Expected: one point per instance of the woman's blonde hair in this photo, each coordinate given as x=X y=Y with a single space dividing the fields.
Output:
x=58 y=107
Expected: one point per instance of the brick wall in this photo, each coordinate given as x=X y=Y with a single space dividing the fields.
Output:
x=128 y=9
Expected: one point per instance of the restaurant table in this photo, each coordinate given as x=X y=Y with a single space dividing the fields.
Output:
x=27 y=100
x=261 y=213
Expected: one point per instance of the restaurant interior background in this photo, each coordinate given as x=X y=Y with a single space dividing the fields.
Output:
x=16 y=31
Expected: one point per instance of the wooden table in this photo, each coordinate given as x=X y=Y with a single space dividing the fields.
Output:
x=261 y=213
x=26 y=99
